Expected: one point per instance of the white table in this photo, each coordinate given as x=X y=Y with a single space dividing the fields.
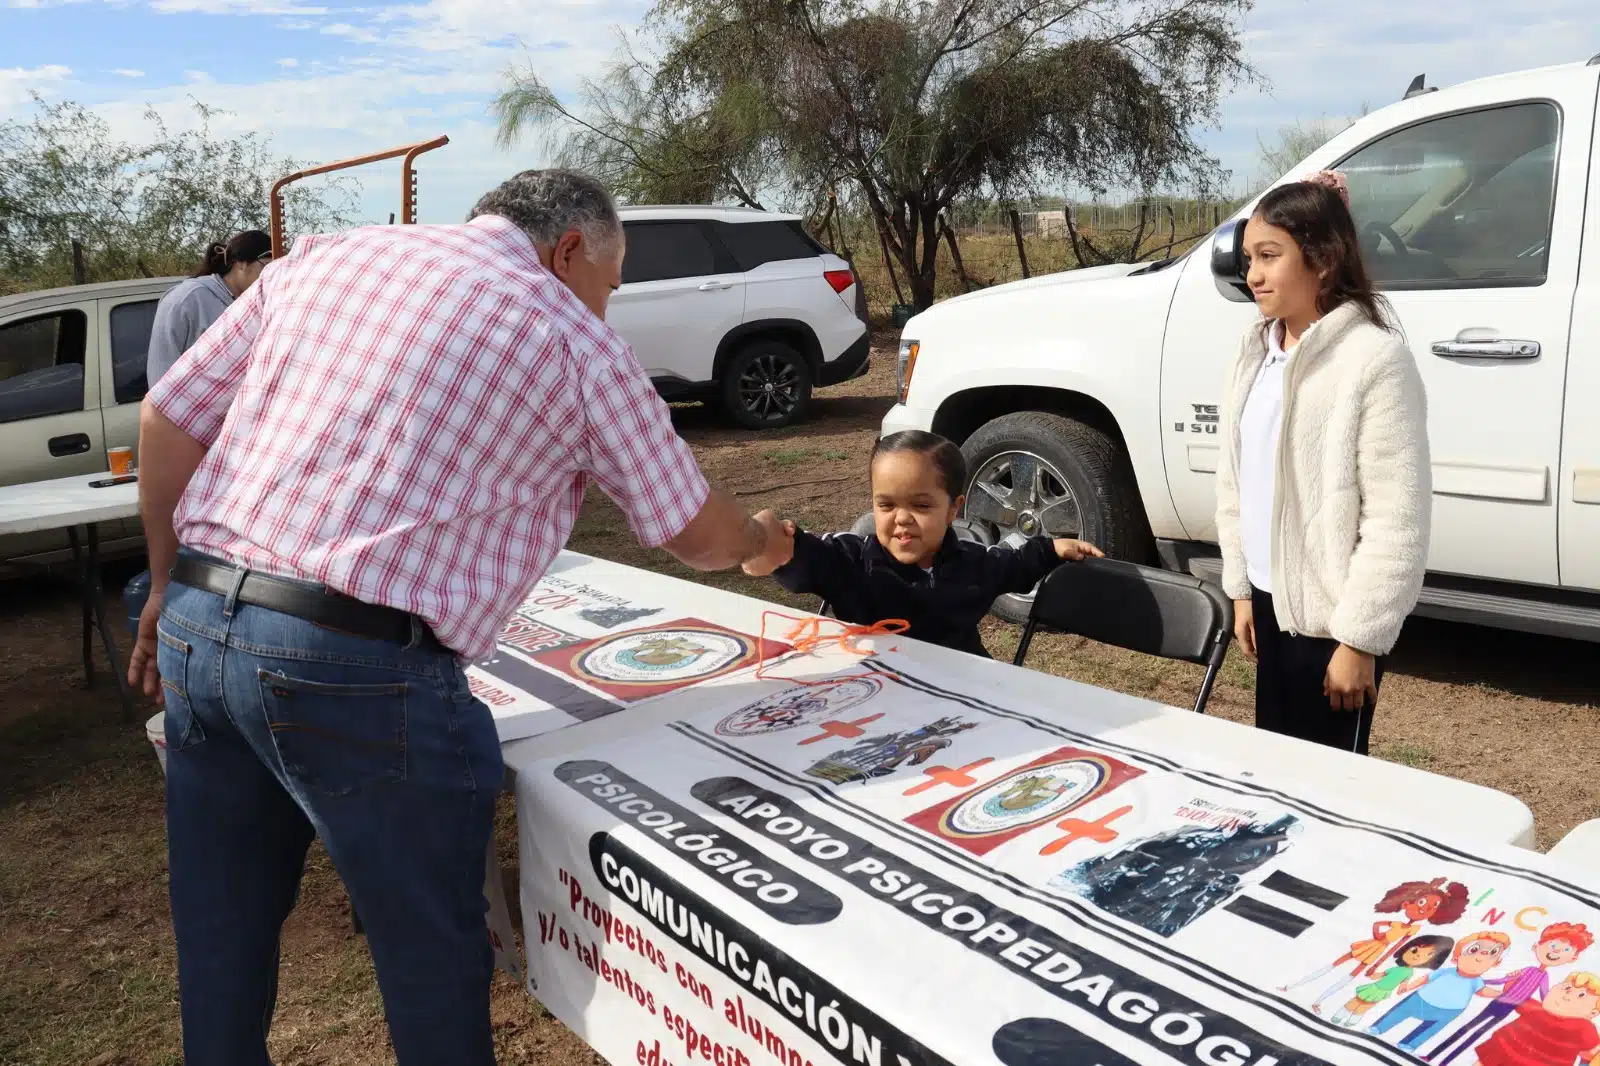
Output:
x=1404 y=796
x=1580 y=848
x=69 y=503
x=984 y=950
x=543 y=711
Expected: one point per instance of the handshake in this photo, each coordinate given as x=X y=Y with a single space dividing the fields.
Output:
x=777 y=544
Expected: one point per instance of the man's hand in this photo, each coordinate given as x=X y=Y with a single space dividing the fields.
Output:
x=1351 y=681
x=142 y=672
x=1075 y=550
x=1244 y=627
x=779 y=547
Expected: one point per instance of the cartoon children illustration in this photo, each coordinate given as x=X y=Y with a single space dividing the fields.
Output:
x=1437 y=902
x=1442 y=995
x=1551 y=1033
x=1559 y=944
x=1418 y=953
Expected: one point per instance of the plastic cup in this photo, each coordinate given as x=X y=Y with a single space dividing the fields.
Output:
x=121 y=461
x=155 y=731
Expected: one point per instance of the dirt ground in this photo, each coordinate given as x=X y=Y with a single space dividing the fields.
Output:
x=85 y=935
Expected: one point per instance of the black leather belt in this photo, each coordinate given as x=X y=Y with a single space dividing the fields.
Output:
x=305 y=600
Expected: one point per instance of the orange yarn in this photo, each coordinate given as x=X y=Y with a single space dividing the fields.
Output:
x=807 y=636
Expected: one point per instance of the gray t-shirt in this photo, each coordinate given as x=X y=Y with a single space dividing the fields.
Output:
x=182 y=315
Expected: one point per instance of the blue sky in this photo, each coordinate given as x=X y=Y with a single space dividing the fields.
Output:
x=328 y=79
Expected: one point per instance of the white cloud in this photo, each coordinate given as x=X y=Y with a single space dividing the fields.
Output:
x=17 y=82
x=351 y=33
x=127 y=72
x=234 y=7
x=288 y=64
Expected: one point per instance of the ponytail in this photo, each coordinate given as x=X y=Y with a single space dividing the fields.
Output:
x=215 y=261
x=246 y=246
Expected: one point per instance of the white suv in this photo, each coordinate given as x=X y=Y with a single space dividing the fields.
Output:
x=738 y=306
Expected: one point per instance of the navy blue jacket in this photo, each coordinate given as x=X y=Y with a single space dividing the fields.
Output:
x=865 y=584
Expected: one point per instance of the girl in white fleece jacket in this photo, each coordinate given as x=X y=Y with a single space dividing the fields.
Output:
x=1323 y=492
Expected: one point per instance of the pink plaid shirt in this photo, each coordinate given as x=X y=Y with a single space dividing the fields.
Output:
x=408 y=415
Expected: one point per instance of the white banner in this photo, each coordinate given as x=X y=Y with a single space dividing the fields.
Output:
x=582 y=647
x=890 y=871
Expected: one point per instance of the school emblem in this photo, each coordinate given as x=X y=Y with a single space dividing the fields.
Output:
x=882 y=755
x=988 y=815
x=657 y=656
x=797 y=706
x=1027 y=797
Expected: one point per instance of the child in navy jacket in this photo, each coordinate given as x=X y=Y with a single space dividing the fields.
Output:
x=915 y=567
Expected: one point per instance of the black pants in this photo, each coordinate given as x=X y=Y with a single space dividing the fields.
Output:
x=1289 y=697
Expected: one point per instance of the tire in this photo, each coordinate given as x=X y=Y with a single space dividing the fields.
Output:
x=767 y=385
x=1082 y=487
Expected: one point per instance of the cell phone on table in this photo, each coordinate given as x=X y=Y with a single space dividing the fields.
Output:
x=107 y=482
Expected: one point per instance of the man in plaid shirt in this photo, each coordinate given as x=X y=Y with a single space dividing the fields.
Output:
x=350 y=481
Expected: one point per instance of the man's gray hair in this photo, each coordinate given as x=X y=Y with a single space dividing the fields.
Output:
x=546 y=204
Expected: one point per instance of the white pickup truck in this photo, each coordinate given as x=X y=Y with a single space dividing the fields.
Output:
x=1086 y=402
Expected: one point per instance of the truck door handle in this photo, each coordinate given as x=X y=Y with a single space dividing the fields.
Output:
x=716 y=286
x=71 y=444
x=1486 y=349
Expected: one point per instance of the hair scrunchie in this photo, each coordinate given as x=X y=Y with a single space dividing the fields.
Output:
x=1331 y=179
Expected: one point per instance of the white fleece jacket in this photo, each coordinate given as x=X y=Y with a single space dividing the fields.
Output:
x=1352 y=499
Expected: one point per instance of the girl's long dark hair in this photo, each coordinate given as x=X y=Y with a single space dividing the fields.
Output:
x=1320 y=223
x=246 y=246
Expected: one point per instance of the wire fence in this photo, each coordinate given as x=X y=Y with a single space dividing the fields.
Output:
x=1187 y=216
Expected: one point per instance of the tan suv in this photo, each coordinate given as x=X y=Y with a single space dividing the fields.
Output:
x=71 y=378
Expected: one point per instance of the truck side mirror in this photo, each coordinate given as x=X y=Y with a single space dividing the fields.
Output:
x=1228 y=268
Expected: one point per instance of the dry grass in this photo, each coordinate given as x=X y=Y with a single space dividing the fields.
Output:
x=85 y=940
x=989 y=261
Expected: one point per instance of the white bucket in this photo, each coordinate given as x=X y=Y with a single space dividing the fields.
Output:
x=155 y=731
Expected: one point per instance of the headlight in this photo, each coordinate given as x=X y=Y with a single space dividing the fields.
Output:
x=904 y=366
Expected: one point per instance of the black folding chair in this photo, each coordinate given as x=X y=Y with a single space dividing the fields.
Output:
x=1174 y=616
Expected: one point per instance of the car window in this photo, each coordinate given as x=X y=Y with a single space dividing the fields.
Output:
x=1463 y=201
x=658 y=251
x=130 y=343
x=41 y=365
x=754 y=243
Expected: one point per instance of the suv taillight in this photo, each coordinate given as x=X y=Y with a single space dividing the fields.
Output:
x=840 y=280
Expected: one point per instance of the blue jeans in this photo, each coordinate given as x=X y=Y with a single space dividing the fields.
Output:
x=1415 y=1008
x=279 y=731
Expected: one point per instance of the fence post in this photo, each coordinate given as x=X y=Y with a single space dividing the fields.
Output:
x=80 y=269
x=1016 y=232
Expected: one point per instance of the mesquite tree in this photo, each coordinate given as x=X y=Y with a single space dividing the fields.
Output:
x=913 y=105
x=138 y=206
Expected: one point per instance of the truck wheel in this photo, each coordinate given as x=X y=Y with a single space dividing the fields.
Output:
x=1038 y=474
x=767 y=385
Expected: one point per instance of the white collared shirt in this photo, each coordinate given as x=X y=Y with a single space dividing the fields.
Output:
x=1259 y=425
